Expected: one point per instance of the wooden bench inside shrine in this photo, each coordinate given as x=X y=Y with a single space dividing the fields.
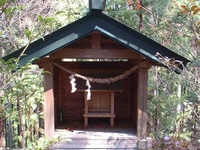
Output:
x=101 y=105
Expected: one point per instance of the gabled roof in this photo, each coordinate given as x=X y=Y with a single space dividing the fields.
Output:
x=95 y=21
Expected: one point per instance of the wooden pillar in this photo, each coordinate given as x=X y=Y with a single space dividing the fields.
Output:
x=142 y=103
x=49 y=121
x=112 y=105
x=60 y=108
x=86 y=110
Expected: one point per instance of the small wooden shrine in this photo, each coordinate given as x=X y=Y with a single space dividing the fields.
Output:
x=99 y=68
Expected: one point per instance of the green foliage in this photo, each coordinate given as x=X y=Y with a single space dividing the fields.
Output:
x=21 y=101
x=24 y=21
x=120 y=11
x=171 y=104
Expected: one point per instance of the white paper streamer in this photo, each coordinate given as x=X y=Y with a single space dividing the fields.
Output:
x=73 y=84
x=88 y=90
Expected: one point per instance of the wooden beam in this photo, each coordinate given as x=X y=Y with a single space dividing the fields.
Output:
x=97 y=65
x=49 y=121
x=142 y=103
x=97 y=53
x=42 y=61
x=114 y=72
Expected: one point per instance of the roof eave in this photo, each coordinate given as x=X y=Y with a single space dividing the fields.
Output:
x=85 y=26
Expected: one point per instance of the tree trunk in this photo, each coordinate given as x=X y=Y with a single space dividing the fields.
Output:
x=156 y=94
x=2 y=133
x=9 y=135
x=21 y=126
x=140 y=17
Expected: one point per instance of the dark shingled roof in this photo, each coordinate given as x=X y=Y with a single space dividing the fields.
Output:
x=95 y=21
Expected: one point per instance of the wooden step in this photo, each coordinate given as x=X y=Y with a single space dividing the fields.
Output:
x=109 y=143
x=103 y=115
x=98 y=139
x=103 y=140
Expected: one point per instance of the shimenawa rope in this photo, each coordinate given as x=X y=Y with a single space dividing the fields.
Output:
x=105 y=80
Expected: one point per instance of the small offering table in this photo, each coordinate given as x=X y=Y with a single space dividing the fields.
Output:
x=100 y=105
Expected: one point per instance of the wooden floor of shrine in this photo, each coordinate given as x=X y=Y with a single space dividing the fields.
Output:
x=98 y=135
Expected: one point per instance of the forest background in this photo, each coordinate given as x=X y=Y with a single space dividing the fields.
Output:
x=173 y=102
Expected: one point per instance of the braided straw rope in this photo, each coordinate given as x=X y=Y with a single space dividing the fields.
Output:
x=105 y=80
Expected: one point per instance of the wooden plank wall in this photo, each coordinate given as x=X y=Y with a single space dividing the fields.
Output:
x=72 y=104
